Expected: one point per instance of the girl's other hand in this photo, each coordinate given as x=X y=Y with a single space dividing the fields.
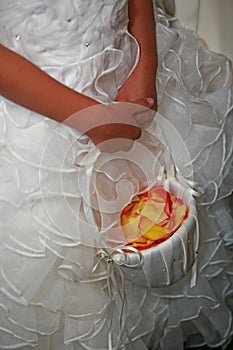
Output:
x=113 y=127
x=140 y=86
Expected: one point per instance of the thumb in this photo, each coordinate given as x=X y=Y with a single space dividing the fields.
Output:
x=144 y=116
x=147 y=102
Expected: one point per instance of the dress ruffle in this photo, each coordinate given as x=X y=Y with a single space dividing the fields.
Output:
x=89 y=56
x=51 y=296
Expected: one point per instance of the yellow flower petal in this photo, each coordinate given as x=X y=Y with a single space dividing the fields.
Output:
x=152 y=218
x=156 y=232
x=179 y=214
x=154 y=211
x=130 y=228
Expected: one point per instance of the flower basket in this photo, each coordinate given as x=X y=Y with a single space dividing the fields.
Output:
x=167 y=248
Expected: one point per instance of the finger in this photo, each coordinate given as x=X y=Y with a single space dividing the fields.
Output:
x=144 y=116
x=147 y=102
x=115 y=145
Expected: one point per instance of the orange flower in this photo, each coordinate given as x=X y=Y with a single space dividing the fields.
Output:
x=152 y=218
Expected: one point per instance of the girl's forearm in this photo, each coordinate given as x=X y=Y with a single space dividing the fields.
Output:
x=27 y=85
x=142 y=27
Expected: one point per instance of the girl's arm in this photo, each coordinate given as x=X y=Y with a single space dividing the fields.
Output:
x=27 y=85
x=141 y=83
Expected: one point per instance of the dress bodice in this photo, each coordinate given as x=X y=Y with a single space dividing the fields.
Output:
x=61 y=32
x=75 y=41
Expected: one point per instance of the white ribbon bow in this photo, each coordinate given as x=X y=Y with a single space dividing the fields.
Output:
x=115 y=259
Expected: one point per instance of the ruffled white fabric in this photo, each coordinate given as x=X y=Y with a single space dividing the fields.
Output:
x=77 y=49
x=56 y=291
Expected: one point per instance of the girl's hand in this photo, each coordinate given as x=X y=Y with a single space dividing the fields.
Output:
x=140 y=85
x=112 y=127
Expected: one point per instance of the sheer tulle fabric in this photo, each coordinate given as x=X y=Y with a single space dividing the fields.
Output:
x=51 y=297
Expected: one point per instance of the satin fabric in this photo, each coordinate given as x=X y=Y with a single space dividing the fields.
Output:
x=60 y=287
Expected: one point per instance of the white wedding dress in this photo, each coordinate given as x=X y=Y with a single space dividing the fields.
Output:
x=63 y=284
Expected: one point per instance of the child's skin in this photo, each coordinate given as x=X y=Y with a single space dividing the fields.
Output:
x=141 y=83
x=25 y=84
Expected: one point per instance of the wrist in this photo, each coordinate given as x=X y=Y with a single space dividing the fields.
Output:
x=69 y=103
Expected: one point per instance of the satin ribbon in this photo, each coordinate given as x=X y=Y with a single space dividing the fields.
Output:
x=191 y=186
x=114 y=259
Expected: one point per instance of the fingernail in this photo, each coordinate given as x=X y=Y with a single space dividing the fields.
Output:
x=150 y=100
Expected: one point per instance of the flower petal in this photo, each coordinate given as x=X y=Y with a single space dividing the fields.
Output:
x=179 y=214
x=130 y=228
x=156 y=232
x=154 y=211
x=152 y=218
x=158 y=194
